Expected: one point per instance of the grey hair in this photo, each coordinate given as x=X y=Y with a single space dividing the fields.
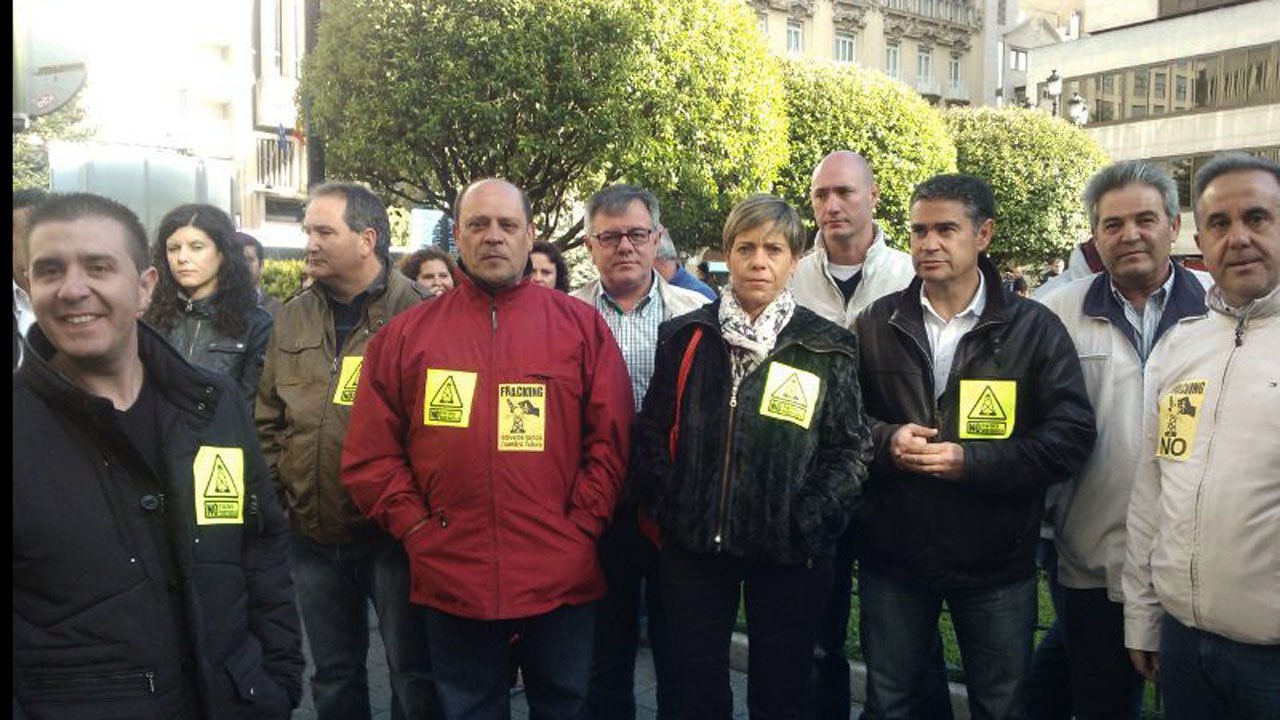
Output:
x=1129 y=172
x=363 y=211
x=615 y=199
x=666 y=248
x=1229 y=163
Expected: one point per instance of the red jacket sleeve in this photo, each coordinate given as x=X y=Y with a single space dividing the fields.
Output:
x=608 y=409
x=375 y=462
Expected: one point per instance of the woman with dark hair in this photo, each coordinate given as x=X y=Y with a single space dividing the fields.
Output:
x=431 y=267
x=205 y=302
x=549 y=268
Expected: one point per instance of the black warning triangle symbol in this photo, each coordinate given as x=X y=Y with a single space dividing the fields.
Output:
x=791 y=391
x=447 y=395
x=221 y=484
x=353 y=380
x=987 y=407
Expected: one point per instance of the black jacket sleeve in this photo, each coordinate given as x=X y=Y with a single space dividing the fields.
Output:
x=255 y=351
x=831 y=490
x=1063 y=431
x=273 y=615
x=650 y=467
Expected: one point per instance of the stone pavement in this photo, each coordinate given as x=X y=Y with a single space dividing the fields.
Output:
x=646 y=700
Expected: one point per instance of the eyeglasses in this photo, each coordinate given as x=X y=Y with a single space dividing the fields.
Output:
x=637 y=236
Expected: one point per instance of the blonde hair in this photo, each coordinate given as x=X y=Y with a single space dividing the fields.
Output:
x=761 y=210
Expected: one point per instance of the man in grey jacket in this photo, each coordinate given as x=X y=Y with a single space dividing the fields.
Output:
x=622 y=229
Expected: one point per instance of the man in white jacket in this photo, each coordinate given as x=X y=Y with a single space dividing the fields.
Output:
x=1115 y=319
x=623 y=227
x=1202 y=569
x=851 y=265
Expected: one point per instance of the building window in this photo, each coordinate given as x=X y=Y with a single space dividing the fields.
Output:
x=795 y=37
x=1159 y=82
x=279 y=32
x=891 y=61
x=1018 y=60
x=955 y=71
x=762 y=23
x=845 y=49
x=924 y=65
x=1180 y=89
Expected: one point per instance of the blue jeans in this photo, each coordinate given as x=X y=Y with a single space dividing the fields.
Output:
x=1049 y=686
x=994 y=628
x=1204 y=675
x=472 y=662
x=335 y=584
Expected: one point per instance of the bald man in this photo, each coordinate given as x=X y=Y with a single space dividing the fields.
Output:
x=851 y=264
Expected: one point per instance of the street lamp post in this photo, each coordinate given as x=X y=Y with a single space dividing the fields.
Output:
x=1078 y=110
x=1055 y=89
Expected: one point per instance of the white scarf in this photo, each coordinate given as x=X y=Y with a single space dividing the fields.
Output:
x=750 y=342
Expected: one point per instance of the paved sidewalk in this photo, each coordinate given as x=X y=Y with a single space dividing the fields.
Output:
x=646 y=699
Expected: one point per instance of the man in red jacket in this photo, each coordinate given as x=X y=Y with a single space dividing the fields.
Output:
x=490 y=434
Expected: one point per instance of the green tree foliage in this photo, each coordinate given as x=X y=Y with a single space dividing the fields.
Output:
x=1038 y=167
x=31 y=147
x=844 y=107
x=282 y=278
x=717 y=125
x=419 y=97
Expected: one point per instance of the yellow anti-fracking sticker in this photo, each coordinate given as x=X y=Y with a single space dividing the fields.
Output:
x=987 y=409
x=790 y=394
x=447 y=402
x=522 y=417
x=1179 y=416
x=219 y=485
x=348 y=380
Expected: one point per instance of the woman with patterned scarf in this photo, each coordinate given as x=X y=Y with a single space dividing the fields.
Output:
x=750 y=451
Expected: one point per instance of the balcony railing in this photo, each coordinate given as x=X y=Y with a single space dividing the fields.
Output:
x=281 y=163
x=960 y=12
x=928 y=86
x=957 y=91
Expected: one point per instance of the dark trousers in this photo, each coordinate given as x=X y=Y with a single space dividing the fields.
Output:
x=784 y=606
x=1103 y=681
x=472 y=662
x=335 y=584
x=1049 y=687
x=994 y=628
x=630 y=564
x=1204 y=675
x=832 y=695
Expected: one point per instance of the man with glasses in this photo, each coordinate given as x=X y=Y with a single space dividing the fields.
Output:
x=622 y=236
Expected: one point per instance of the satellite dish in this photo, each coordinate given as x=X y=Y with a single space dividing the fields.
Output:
x=48 y=58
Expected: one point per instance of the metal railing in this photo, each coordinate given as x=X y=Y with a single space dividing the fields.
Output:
x=281 y=163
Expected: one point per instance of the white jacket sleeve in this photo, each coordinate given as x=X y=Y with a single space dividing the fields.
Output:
x=1142 y=610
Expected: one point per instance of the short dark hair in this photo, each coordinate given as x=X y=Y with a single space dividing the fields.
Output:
x=971 y=190
x=363 y=211
x=412 y=263
x=29 y=198
x=524 y=198
x=615 y=199
x=248 y=240
x=75 y=206
x=1229 y=163
x=554 y=255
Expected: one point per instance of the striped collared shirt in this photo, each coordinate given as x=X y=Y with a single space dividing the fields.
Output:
x=1145 y=322
x=636 y=333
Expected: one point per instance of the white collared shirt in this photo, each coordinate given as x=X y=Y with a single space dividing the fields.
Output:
x=944 y=335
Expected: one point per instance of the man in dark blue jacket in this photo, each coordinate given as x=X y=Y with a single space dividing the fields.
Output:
x=150 y=575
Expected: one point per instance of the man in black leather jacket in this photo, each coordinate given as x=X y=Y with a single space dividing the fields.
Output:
x=977 y=404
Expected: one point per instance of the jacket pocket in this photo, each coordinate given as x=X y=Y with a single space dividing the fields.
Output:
x=74 y=686
x=252 y=683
